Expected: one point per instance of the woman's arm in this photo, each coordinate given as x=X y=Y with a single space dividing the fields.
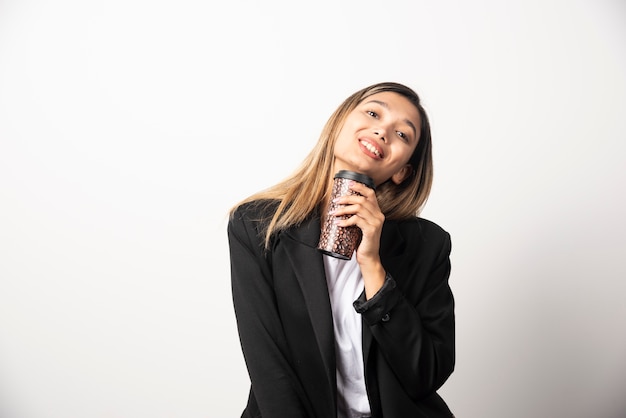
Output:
x=275 y=386
x=416 y=337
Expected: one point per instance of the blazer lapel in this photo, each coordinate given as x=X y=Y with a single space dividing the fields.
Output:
x=308 y=266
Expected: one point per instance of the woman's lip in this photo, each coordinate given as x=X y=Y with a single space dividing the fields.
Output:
x=364 y=143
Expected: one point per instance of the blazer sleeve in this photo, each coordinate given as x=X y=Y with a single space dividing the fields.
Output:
x=274 y=384
x=416 y=337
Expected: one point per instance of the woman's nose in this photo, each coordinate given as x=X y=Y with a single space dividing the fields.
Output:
x=381 y=132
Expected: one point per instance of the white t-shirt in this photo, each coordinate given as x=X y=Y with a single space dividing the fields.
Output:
x=345 y=285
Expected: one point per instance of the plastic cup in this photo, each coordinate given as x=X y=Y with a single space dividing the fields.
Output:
x=337 y=241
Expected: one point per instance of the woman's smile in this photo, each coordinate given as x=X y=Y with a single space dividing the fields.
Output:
x=371 y=148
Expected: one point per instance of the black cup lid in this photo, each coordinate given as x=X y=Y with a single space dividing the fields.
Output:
x=353 y=175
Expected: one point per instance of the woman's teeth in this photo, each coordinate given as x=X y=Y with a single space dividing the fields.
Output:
x=371 y=148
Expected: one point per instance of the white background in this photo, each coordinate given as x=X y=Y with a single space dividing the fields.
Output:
x=129 y=127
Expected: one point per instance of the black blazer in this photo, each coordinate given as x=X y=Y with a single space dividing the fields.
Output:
x=286 y=327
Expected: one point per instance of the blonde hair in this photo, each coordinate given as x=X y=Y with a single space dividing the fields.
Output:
x=300 y=194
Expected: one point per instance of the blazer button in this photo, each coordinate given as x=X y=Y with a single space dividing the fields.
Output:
x=385 y=318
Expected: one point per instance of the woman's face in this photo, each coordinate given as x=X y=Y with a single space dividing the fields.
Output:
x=378 y=137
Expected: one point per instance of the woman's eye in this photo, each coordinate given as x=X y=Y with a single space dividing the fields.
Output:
x=372 y=113
x=402 y=135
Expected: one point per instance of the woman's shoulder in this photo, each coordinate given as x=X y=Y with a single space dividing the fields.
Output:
x=256 y=212
x=431 y=226
x=424 y=228
x=423 y=224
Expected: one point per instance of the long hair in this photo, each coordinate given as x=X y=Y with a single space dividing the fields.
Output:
x=300 y=194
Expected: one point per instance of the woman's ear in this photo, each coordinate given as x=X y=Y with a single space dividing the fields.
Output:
x=402 y=174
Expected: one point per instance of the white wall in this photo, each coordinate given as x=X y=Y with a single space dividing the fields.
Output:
x=128 y=128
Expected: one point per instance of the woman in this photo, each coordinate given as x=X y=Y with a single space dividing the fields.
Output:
x=368 y=337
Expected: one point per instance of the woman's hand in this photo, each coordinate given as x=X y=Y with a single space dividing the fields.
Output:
x=365 y=214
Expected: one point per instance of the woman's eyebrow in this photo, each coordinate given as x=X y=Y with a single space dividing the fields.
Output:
x=386 y=106
x=383 y=104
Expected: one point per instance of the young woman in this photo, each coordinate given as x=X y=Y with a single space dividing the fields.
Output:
x=372 y=336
